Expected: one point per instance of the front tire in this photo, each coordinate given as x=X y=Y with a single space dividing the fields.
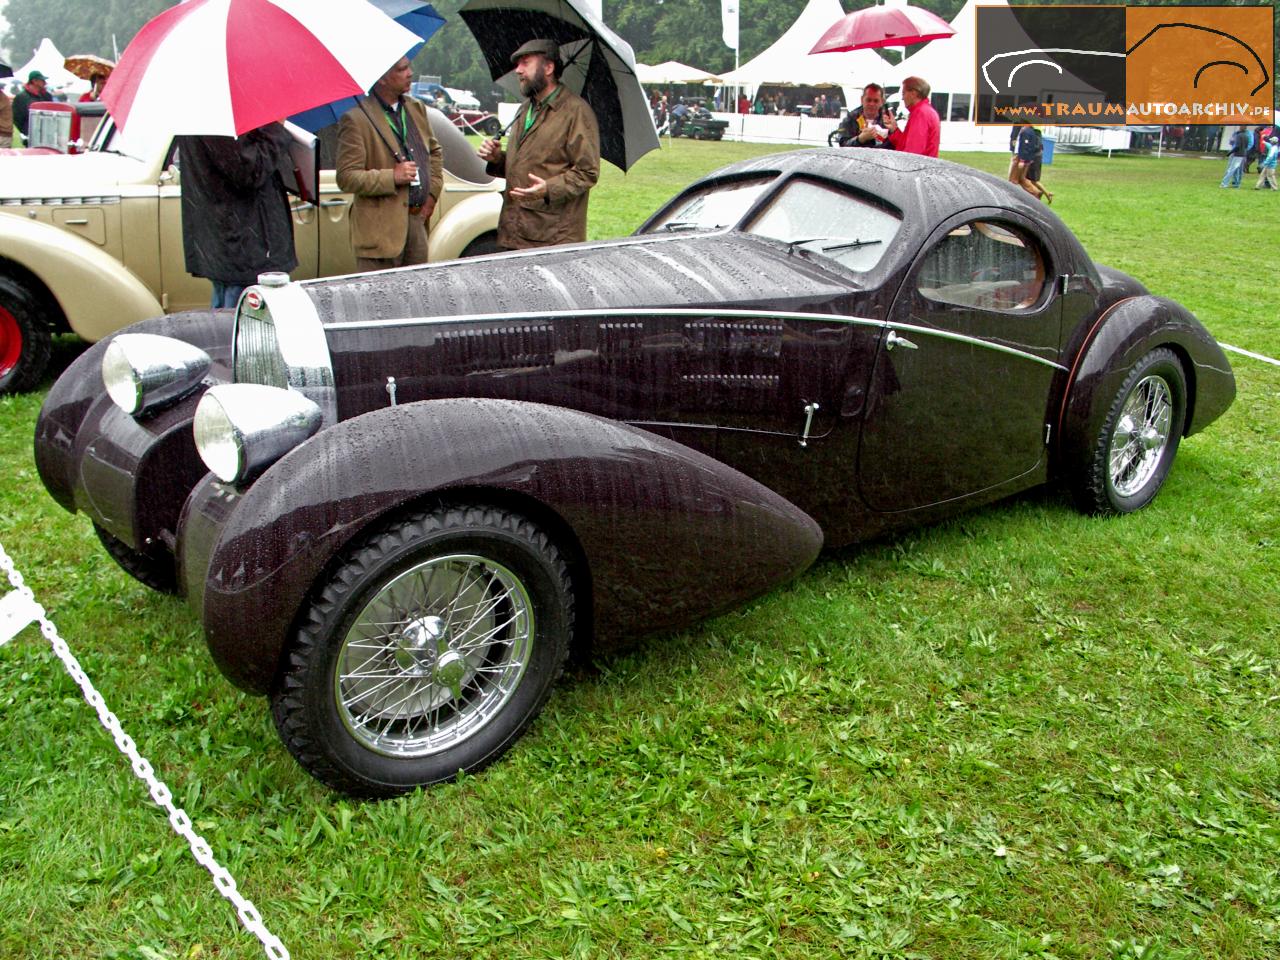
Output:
x=152 y=570
x=26 y=340
x=1134 y=451
x=427 y=651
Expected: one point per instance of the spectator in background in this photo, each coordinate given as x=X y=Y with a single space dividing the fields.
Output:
x=96 y=82
x=389 y=158
x=1029 y=155
x=924 y=128
x=744 y=105
x=6 y=120
x=865 y=125
x=235 y=212
x=552 y=158
x=1235 y=159
x=1267 y=165
x=35 y=90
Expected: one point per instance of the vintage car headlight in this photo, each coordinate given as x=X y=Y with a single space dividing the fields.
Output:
x=143 y=371
x=243 y=428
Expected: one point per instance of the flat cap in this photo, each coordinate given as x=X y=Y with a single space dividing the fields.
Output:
x=548 y=48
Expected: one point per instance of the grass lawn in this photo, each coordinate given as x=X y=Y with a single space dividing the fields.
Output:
x=1021 y=733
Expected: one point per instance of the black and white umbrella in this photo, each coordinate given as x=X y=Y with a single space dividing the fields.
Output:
x=599 y=65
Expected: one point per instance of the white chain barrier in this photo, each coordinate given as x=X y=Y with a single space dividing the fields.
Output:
x=18 y=609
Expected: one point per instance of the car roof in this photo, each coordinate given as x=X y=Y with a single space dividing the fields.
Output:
x=926 y=189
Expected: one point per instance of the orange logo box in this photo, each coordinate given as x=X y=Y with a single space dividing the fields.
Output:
x=1199 y=64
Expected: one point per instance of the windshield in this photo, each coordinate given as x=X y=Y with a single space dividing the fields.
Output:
x=711 y=208
x=110 y=139
x=824 y=220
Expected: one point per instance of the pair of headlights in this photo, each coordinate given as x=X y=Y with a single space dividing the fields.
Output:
x=240 y=428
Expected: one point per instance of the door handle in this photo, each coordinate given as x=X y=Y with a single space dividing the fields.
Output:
x=301 y=206
x=809 y=410
x=333 y=203
x=893 y=340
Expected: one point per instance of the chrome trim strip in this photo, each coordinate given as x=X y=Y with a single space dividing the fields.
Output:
x=533 y=315
x=989 y=344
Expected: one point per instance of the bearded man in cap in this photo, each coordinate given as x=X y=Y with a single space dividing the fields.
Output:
x=552 y=158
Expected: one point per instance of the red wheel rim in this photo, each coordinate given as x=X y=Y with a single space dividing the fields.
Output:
x=10 y=342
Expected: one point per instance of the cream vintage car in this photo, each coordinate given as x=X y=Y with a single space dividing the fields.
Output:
x=92 y=243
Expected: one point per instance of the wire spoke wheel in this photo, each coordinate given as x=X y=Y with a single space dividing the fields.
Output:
x=434 y=656
x=428 y=649
x=1141 y=436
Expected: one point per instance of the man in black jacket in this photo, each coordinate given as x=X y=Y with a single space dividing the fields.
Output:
x=864 y=126
x=33 y=91
x=236 y=222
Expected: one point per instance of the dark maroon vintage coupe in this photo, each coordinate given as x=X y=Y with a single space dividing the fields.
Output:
x=397 y=500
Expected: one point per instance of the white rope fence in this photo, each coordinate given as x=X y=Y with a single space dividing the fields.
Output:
x=18 y=608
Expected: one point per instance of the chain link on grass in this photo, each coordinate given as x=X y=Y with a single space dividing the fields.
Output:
x=160 y=793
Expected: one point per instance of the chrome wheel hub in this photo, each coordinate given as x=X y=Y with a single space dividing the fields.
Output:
x=1141 y=436
x=433 y=656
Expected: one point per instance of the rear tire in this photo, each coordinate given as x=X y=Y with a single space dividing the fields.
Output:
x=492 y=127
x=427 y=651
x=1134 y=451
x=26 y=340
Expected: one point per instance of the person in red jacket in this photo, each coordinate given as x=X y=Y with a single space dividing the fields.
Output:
x=924 y=129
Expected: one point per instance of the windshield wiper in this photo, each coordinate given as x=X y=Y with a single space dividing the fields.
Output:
x=842 y=245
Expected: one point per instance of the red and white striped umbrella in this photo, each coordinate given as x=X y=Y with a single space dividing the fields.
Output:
x=228 y=66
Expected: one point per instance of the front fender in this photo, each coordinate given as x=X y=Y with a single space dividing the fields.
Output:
x=1125 y=333
x=68 y=401
x=668 y=535
x=97 y=293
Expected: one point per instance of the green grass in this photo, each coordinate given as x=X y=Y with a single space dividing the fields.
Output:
x=1021 y=733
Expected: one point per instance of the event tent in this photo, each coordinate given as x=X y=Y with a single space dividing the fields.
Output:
x=673 y=71
x=49 y=61
x=789 y=63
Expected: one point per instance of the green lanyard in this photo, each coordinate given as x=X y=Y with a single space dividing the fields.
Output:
x=401 y=131
x=535 y=108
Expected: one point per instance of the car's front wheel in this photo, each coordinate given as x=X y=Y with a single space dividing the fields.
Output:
x=26 y=341
x=1134 y=450
x=428 y=650
x=155 y=570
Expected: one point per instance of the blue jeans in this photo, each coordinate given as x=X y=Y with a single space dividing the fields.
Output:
x=228 y=294
x=1235 y=172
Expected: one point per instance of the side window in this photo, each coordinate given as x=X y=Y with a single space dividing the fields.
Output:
x=990 y=266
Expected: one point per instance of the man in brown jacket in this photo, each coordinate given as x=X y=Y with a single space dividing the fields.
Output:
x=6 y=120
x=552 y=157
x=390 y=160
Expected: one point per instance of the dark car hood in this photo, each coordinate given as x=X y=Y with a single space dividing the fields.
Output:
x=650 y=271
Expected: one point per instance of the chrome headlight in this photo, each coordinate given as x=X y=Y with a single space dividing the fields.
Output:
x=142 y=371
x=243 y=428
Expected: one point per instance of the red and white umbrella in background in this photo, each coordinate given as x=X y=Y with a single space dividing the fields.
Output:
x=890 y=25
x=228 y=66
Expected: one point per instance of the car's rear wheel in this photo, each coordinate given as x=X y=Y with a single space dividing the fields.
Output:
x=833 y=138
x=428 y=650
x=26 y=340
x=491 y=126
x=155 y=570
x=1135 y=448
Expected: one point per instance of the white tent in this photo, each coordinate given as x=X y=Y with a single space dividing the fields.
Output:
x=673 y=71
x=49 y=61
x=789 y=63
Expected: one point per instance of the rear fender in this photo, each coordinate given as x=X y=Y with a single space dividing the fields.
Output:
x=465 y=220
x=1125 y=333
x=669 y=536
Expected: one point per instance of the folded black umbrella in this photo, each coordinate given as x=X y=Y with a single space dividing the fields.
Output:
x=6 y=70
x=599 y=65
